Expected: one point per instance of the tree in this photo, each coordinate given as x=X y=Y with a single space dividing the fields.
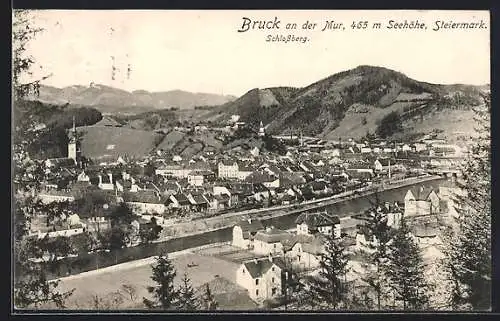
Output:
x=130 y=290
x=31 y=288
x=164 y=294
x=150 y=232
x=82 y=243
x=376 y=225
x=187 y=300
x=327 y=289
x=468 y=259
x=121 y=215
x=113 y=239
x=208 y=299
x=22 y=33
x=35 y=290
x=405 y=271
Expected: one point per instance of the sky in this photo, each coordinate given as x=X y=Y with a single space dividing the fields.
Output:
x=202 y=51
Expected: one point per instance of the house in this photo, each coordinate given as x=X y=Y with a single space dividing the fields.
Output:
x=260 y=192
x=223 y=201
x=52 y=195
x=426 y=234
x=198 y=202
x=106 y=182
x=228 y=169
x=263 y=278
x=213 y=202
x=240 y=192
x=244 y=172
x=319 y=222
x=82 y=177
x=171 y=187
x=60 y=162
x=361 y=167
x=383 y=164
x=195 y=179
x=421 y=201
x=146 y=201
x=244 y=233
x=269 y=241
x=179 y=200
x=304 y=251
x=66 y=226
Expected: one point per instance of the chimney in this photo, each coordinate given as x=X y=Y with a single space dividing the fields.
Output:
x=110 y=178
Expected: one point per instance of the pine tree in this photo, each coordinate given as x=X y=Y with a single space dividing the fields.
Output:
x=405 y=271
x=468 y=259
x=187 y=300
x=208 y=299
x=327 y=290
x=165 y=295
x=376 y=224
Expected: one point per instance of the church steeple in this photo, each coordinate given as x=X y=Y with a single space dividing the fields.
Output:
x=74 y=144
x=262 y=130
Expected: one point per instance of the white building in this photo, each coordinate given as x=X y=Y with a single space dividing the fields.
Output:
x=262 y=278
x=320 y=222
x=421 y=201
x=269 y=241
x=228 y=169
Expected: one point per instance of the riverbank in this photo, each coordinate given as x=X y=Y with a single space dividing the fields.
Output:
x=230 y=219
x=283 y=219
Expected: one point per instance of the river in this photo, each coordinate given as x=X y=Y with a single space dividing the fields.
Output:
x=92 y=261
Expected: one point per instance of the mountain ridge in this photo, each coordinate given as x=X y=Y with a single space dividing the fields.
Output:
x=111 y=99
x=349 y=103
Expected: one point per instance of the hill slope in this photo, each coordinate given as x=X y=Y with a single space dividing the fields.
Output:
x=350 y=104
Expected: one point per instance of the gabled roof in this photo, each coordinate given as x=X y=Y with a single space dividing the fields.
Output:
x=385 y=161
x=226 y=162
x=182 y=199
x=257 y=268
x=250 y=226
x=199 y=199
x=260 y=177
x=143 y=196
x=421 y=193
x=288 y=244
x=61 y=162
x=315 y=220
x=272 y=235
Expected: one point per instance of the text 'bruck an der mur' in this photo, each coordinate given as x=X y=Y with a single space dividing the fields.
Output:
x=248 y=24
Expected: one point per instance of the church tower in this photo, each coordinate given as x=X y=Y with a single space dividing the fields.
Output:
x=261 y=130
x=74 y=145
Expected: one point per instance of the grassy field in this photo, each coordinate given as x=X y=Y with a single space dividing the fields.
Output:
x=101 y=141
x=104 y=284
